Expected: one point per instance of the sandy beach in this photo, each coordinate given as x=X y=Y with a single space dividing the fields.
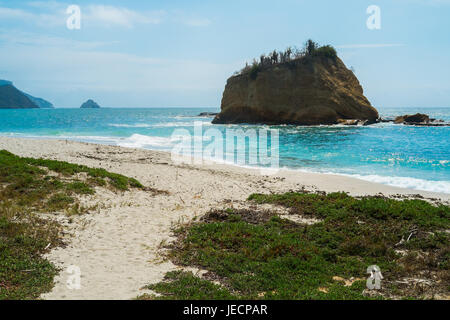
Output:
x=117 y=247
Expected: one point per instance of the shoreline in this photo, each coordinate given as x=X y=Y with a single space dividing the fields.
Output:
x=118 y=247
x=286 y=171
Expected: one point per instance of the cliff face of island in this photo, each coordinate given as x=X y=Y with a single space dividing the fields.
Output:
x=13 y=98
x=313 y=89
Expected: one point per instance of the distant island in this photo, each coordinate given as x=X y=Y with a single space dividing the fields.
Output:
x=41 y=103
x=90 y=104
x=13 y=98
x=311 y=86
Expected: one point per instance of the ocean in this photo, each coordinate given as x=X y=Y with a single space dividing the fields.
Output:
x=396 y=155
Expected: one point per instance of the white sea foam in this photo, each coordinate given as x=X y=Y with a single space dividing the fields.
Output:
x=166 y=143
x=407 y=182
x=400 y=182
x=143 y=141
x=158 y=125
x=123 y=125
x=179 y=124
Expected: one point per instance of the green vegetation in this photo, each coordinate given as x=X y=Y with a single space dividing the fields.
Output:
x=289 y=56
x=254 y=70
x=29 y=187
x=185 y=286
x=98 y=176
x=258 y=255
x=326 y=51
x=24 y=237
x=49 y=185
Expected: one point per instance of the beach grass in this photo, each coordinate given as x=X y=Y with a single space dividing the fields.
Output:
x=96 y=175
x=251 y=254
x=28 y=188
x=24 y=238
x=182 y=285
x=51 y=185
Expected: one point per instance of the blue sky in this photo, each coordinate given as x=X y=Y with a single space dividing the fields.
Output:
x=180 y=53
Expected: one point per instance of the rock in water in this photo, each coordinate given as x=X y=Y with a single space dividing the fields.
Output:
x=311 y=90
x=418 y=118
x=207 y=114
x=90 y=104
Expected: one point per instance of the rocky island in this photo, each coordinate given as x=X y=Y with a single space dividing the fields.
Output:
x=90 y=104
x=13 y=98
x=302 y=87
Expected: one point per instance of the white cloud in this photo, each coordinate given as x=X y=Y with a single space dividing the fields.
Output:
x=436 y=3
x=8 y=13
x=63 y=70
x=201 y=22
x=18 y=38
x=182 y=17
x=369 y=45
x=51 y=13
x=51 y=19
x=116 y=16
x=52 y=5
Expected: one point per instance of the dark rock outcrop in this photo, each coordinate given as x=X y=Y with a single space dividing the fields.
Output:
x=12 y=98
x=413 y=119
x=418 y=119
x=207 y=114
x=311 y=91
x=354 y=122
x=90 y=104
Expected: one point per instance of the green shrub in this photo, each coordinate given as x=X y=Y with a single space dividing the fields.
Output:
x=259 y=255
x=326 y=51
x=30 y=186
x=254 y=70
x=288 y=57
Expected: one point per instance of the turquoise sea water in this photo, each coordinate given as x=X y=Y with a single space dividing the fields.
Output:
x=404 y=156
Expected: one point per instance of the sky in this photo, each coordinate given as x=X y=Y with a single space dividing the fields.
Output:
x=177 y=53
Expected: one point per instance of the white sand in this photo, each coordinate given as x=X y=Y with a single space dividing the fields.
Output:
x=117 y=247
